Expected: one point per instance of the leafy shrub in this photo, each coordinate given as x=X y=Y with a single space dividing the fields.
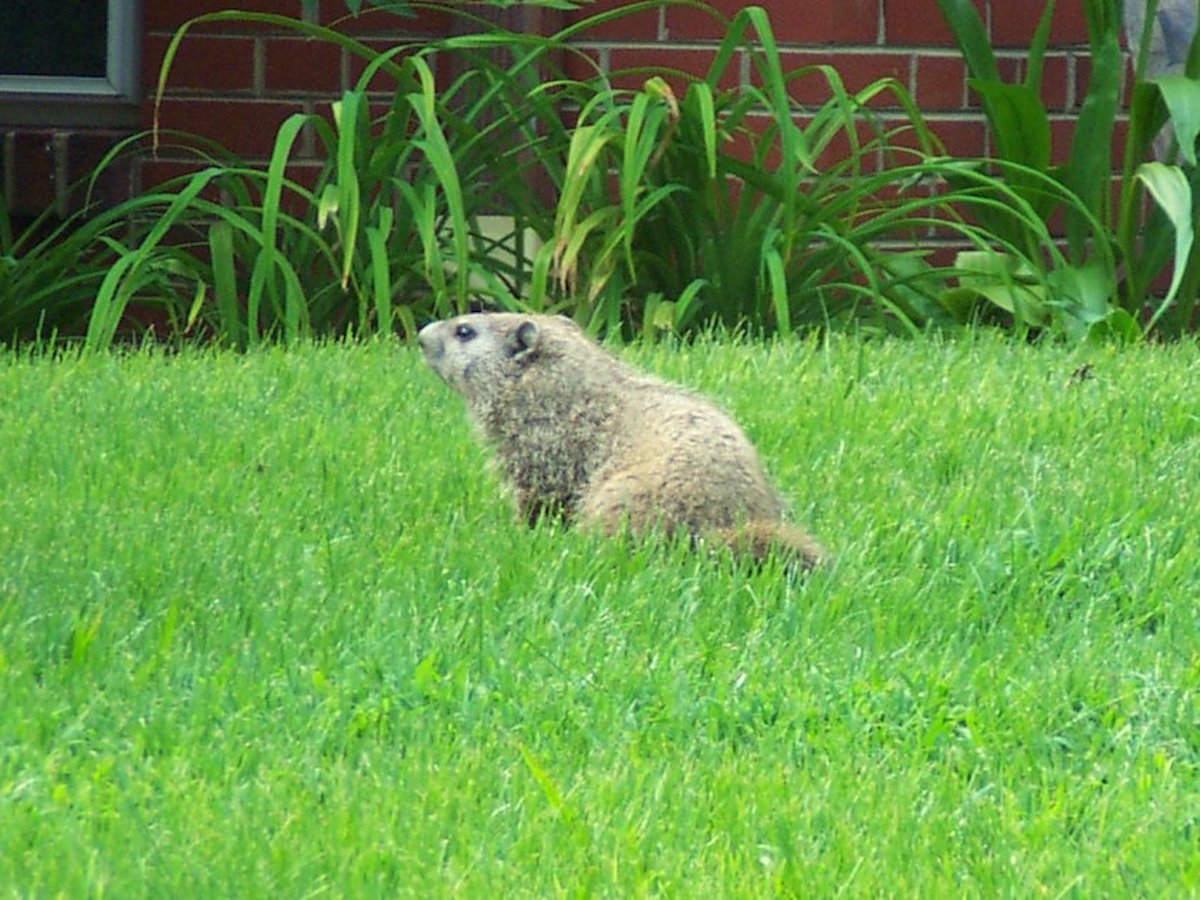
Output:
x=52 y=273
x=672 y=208
x=743 y=206
x=1116 y=251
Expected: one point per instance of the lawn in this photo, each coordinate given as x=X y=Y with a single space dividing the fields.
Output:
x=267 y=630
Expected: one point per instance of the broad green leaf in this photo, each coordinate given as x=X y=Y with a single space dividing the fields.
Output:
x=1037 y=49
x=587 y=143
x=1147 y=115
x=1086 y=292
x=1182 y=97
x=220 y=245
x=1019 y=122
x=646 y=133
x=1005 y=282
x=262 y=279
x=423 y=208
x=346 y=114
x=1170 y=189
x=971 y=36
x=1090 y=162
x=1116 y=327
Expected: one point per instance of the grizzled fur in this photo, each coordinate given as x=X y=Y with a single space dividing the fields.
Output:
x=582 y=436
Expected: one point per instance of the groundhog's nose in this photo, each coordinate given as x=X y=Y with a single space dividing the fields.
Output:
x=430 y=345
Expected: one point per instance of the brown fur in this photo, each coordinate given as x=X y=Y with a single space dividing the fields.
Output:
x=584 y=437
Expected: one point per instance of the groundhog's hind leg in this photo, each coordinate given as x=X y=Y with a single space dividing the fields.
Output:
x=624 y=499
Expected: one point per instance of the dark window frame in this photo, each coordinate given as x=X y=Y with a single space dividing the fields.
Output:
x=108 y=101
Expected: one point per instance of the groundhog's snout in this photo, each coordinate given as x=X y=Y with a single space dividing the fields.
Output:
x=431 y=344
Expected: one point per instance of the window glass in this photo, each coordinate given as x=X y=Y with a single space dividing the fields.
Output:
x=58 y=38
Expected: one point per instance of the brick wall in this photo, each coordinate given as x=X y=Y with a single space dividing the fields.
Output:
x=870 y=39
x=236 y=82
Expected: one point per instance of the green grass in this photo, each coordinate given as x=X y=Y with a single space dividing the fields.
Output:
x=266 y=629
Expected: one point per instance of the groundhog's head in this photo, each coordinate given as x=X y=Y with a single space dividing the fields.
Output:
x=474 y=353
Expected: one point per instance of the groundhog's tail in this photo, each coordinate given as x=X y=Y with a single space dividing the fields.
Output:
x=760 y=539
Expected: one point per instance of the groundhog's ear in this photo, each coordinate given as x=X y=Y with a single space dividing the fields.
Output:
x=522 y=339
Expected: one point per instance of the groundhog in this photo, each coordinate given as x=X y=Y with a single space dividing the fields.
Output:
x=585 y=438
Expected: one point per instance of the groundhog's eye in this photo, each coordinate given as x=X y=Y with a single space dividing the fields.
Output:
x=464 y=332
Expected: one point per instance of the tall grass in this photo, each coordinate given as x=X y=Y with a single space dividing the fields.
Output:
x=267 y=628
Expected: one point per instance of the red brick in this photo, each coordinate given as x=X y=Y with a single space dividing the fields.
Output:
x=1062 y=134
x=1013 y=23
x=642 y=26
x=1011 y=69
x=689 y=24
x=961 y=137
x=1014 y=69
x=156 y=173
x=304 y=174
x=903 y=146
x=168 y=15
x=940 y=83
x=896 y=153
x=850 y=22
x=856 y=70
x=838 y=152
x=919 y=22
x=374 y=21
x=324 y=111
x=172 y=175
x=244 y=127
x=33 y=166
x=631 y=67
x=382 y=81
x=581 y=65
x=300 y=64
x=112 y=184
x=211 y=63
x=888 y=198
x=943 y=256
x=834 y=154
x=1083 y=78
x=169 y=174
x=749 y=138
x=811 y=87
x=845 y=22
x=1055 y=83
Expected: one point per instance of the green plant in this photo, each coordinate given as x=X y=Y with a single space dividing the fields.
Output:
x=667 y=211
x=407 y=7
x=740 y=205
x=391 y=232
x=52 y=273
x=720 y=201
x=783 y=232
x=1148 y=229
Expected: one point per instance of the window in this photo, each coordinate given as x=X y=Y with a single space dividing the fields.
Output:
x=69 y=48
